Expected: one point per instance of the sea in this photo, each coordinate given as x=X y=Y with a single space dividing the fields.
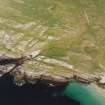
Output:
x=85 y=94
x=72 y=94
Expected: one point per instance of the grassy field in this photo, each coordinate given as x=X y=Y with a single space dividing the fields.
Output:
x=72 y=31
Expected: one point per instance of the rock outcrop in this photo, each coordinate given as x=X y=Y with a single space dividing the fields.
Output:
x=12 y=66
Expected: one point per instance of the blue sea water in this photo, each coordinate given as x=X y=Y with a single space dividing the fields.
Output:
x=28 y=94
x=85 y=94
x=73 y=94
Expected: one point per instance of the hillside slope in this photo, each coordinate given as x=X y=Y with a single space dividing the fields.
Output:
x=69 y=34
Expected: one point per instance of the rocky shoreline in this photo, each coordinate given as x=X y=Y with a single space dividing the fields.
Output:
x=12 y=66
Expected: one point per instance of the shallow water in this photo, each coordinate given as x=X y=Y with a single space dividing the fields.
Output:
x=86 y=95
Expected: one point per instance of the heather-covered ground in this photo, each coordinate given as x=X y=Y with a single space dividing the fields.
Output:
x=70 y=32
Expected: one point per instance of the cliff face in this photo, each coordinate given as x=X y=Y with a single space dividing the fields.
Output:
x=64 y=37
